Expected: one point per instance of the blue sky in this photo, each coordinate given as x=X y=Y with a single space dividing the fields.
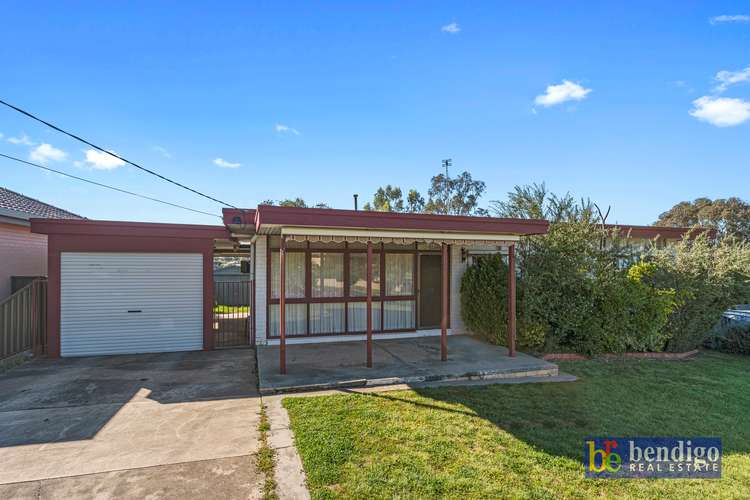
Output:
x=322 y=100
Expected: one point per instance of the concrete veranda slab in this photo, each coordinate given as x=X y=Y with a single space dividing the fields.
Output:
x=395 y=361
x=83 y=417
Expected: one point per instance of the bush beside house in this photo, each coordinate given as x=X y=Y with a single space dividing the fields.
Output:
x=575 y=296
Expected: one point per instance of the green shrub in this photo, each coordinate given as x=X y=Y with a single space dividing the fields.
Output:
x=735 y=339
x=571 y=297
x=708 y=279
x=484 y=305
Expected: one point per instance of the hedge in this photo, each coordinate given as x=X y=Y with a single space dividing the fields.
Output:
x=575 y=296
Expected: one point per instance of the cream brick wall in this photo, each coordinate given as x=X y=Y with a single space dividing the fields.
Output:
x=457 y=272
x=22 y=253
x=261 y=282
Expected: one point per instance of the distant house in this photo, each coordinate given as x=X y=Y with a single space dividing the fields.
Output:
x=23 y=254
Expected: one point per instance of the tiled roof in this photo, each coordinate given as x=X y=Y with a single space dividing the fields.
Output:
x=10 y=200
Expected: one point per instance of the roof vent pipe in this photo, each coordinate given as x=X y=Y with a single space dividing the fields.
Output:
x=355 y=201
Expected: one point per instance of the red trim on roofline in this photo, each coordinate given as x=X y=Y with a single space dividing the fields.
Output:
x=326 y=217
x=130 y=229
x=660 y=231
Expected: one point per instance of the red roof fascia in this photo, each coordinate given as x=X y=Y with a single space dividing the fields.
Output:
x=324 y=217
x=123 y=228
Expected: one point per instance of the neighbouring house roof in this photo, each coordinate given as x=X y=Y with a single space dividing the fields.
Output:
x=268 y=219
x=17 y=208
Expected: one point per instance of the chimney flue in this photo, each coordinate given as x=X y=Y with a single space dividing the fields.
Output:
x=355 y=201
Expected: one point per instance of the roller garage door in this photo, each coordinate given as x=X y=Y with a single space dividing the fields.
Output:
x=120 y=303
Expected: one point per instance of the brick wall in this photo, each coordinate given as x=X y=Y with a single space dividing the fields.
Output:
x=22 y=253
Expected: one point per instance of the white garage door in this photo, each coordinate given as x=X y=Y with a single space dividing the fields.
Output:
x=118 y=303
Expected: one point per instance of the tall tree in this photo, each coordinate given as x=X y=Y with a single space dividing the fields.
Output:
x=730 y=216
x=447 y=195
x=455 y=195
x=534 y=201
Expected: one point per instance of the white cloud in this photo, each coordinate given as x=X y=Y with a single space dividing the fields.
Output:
x=284 y=129
x=45 y=152
x=721 y=111
x=23 y=140
x=558 y=94
x=741 y=18
x=728 y=78
x=451 y=28
x=162 y=151
x=1 y=135
x=220 y=162
x=102 y=161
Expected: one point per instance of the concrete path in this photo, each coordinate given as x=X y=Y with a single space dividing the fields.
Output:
x=332 y=365
x=179 y=425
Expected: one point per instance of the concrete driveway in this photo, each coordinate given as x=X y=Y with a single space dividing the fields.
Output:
x=176 y=425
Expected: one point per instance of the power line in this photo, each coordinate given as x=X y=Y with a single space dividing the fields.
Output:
x=107 y=186
x=69 y=134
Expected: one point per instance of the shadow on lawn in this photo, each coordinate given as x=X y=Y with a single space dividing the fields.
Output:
x=705 y=397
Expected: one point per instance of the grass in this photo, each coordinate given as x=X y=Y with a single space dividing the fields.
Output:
x=525 y=441
x=265 y=457
x=224 y=309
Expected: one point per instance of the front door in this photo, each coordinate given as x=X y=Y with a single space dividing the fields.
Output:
x=430 y=288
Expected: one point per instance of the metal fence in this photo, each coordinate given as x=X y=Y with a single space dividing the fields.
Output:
x=23 y=320
x=234 y=306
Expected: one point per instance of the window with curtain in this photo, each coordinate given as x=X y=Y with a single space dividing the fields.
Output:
x=399 y=315
x=399 y=274
x=296 y=319
x=358 y=274
x=358 y=316
x=294 y=280
x=327 y=318
x=327 y=272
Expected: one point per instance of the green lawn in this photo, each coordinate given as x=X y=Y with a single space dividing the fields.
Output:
x=223 y=309
x=525 y=441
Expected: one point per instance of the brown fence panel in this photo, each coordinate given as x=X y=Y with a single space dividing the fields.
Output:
x=23 y=320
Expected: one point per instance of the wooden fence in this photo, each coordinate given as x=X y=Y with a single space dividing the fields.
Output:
x=23 y=320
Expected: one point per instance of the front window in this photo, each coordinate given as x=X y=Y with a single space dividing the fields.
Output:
x=399 y=274
x=294 y=280
x=358 y=274
x=327 y=272
x=326 y=289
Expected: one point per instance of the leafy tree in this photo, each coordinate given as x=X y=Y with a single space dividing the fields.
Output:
x=387 y=199
x=456 y=196
x=391 y=199
x=535 y=202
x=730 y=217
x=297 y=203
x=414 y=202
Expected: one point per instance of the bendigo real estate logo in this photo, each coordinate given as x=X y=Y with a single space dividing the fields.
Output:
x=651 y=457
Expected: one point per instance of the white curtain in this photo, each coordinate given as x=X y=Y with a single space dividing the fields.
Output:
x=294 y=281
x=326 y=318
x=327 y=274
x=296 y=319
x=358 y=316
x=399 y=314
x=358 y=274
x=399 y=273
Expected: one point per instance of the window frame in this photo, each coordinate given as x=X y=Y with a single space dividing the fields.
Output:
x=379 y=252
